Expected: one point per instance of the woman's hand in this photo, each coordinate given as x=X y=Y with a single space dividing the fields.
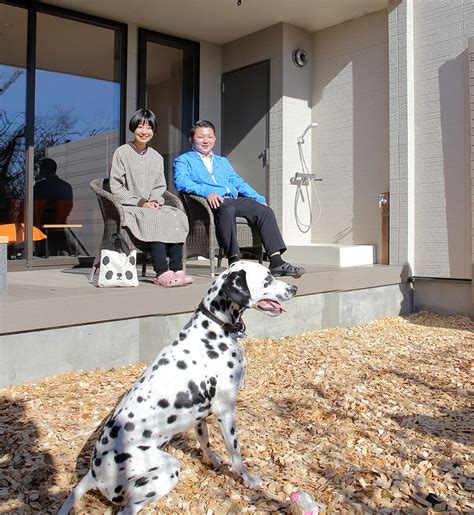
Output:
x=151 y=204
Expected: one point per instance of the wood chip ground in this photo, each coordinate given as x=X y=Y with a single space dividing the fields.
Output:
x=368 y=419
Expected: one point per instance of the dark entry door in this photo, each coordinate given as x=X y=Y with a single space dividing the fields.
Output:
x=245 y=105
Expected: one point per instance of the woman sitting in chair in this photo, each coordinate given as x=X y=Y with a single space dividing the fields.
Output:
x=138 y=182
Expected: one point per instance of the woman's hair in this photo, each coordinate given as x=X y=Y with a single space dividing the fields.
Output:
x=142 y=116
x=201 y=124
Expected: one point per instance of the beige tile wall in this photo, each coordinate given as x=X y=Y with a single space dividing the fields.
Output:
x=443 y=246
x=471 y=130
x=351 y=142
x=402 y=128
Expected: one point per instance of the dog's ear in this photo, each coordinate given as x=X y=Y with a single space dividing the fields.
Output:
x=235 y=287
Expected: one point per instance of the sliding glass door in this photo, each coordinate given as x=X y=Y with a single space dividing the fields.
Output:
x=13 y=67
x=168 y=77
x=73 y=121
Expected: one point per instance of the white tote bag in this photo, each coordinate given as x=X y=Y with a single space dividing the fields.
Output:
x=118 y=267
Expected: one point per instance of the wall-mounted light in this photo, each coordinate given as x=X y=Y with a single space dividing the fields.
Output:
x=300 y=57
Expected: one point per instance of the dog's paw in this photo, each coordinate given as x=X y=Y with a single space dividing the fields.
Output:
x=212 y=460
x=252 y=481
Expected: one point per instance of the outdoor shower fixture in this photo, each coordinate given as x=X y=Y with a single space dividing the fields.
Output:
x=305 y=179
x=305 y=176
x=300 y=140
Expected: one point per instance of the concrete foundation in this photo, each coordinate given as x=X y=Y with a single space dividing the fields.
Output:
x=32 y=356
x=443 y=296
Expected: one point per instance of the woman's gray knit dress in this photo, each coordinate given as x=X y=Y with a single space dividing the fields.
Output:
x=137 y=178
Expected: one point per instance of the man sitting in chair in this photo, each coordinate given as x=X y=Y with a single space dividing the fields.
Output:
x=203 y=173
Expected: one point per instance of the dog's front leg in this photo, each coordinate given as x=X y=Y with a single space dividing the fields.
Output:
x=226 y=422
x=202 y=435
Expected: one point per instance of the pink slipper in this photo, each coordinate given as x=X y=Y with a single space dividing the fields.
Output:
x=167 y=279
x=183 y=277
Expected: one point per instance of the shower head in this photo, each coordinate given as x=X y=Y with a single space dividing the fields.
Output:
x=300 y=140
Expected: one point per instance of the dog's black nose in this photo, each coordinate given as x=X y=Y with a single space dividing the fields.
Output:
x=294 y=289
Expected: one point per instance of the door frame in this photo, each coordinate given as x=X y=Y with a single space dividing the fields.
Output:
x=267 y=63
x=190 y=99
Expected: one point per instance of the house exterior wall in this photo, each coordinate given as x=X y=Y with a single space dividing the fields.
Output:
x=431 y=130
x=442 y=144
x=390 y=93
x=401 y=124
x=350 y=145
x=471 y=130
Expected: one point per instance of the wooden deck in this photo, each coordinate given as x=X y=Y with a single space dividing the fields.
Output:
x=45 y=299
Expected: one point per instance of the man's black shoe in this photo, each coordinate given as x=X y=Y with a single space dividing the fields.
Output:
x=285 y=269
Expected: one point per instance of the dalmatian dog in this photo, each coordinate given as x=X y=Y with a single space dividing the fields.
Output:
x=197 y=375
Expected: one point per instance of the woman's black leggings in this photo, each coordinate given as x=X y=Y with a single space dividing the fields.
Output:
x=160 y=251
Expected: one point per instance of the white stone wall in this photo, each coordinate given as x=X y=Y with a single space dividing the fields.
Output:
x=351 y=143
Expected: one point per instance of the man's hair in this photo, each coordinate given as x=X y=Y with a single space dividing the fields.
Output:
x=47 y=167
x=201 y=124
x=142 y=116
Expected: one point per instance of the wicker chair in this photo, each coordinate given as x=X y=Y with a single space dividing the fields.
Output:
x=113 y=215
x=202 y=240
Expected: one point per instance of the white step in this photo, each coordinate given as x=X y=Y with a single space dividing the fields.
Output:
x=331 y=254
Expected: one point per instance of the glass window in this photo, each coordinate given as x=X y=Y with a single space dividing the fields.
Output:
x=13 y=30
x=164 y=96
x=77 y=128
x=168 y=79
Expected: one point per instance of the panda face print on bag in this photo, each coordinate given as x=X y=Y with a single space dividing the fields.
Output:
x=110 y=274
x=118 y=269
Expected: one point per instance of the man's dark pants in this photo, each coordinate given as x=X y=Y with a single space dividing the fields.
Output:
x=256 y=214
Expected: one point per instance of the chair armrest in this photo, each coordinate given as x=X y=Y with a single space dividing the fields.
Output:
x=198 y=206
x=103 y=194
x=172 y=200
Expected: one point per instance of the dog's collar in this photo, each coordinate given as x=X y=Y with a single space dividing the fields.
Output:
x=236 y=330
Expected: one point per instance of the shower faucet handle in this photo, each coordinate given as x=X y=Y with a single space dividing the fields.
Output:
x=383 y=199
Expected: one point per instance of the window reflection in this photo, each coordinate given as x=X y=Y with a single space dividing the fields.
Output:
x=77 y=105
x=164 y=95
x=12 y=126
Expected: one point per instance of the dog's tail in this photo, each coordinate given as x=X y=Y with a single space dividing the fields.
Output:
x=85 y=484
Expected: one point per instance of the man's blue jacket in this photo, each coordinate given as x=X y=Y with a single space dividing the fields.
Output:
x=192 y=176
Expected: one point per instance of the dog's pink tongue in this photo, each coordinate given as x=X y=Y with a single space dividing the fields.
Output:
x=270 y=305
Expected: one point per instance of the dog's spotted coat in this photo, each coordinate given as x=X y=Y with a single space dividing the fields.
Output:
x=197 y=375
